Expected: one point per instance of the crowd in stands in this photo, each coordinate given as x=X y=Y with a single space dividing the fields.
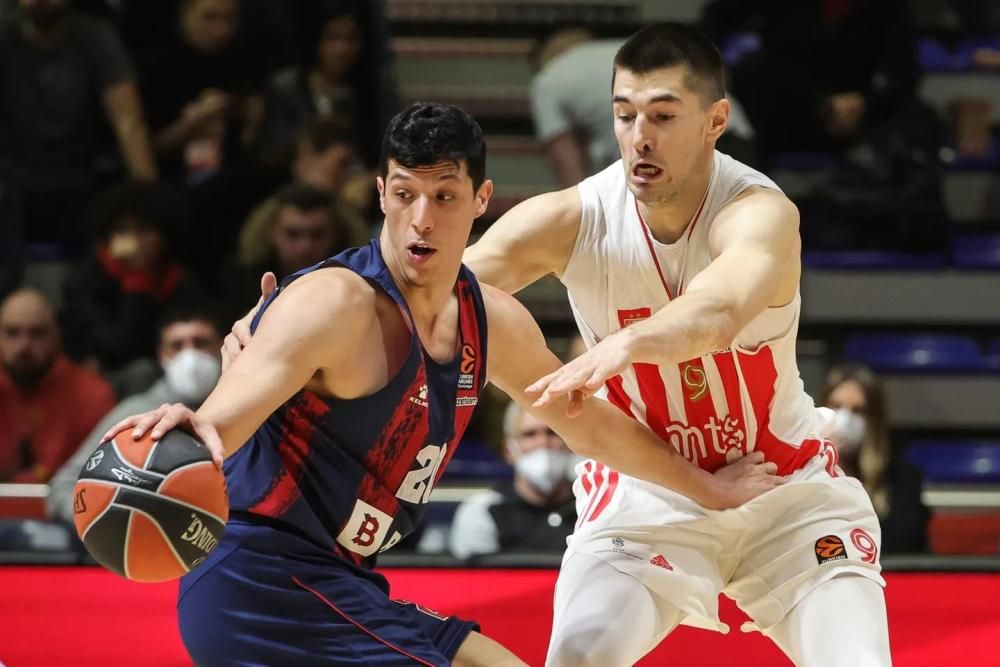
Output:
x=166 y=153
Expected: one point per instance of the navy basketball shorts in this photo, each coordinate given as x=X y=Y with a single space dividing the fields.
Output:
x=269 y=597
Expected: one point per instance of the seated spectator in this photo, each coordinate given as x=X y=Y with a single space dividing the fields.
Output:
x=536 y=511
x=861 y=433
x=48 y=404
x=325 y=160
x=114 y=297
x=188 y=355
x=305 y=228
x=62 y=75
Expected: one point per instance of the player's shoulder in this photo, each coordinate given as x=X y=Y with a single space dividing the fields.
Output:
x=505 y=315
x=331 y=290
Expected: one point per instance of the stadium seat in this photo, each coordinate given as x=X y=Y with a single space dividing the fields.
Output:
x=962 y=461
x=873 y=259
x=922 y=353
x=981 y=251
x=474 y=460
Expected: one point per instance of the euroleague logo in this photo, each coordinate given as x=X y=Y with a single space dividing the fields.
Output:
x=830 y=547
x=467 y=367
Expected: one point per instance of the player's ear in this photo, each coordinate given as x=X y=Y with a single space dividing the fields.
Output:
x=380 y=185
x=718 y=118
x=483 y=197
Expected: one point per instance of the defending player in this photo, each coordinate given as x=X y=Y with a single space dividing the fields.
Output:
x=342 y=414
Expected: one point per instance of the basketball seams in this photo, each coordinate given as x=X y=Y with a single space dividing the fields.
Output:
x=149 y=457
x=104 y=511
x=169 y=499
x=125 y=544
x=125 y=461
x=166 y=538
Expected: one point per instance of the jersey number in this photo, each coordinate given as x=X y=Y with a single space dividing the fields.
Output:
x=418 y=484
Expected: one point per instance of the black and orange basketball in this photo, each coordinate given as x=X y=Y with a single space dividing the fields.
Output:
x=150 y=510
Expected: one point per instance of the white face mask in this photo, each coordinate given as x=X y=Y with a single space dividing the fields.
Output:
x=849 y=431
x=545 y=468
x=192 y=374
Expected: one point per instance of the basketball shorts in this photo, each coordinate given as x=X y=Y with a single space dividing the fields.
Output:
x=269 y=597
x=766 y=555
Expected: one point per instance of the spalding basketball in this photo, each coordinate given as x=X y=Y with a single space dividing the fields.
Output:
x=150 y=510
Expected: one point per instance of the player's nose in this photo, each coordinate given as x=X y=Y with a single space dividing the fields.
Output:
x=423 y=215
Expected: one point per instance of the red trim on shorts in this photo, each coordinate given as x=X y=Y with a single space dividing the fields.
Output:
x=609 y=493
x=360 y=626
x=598 y=477
x=585 y=478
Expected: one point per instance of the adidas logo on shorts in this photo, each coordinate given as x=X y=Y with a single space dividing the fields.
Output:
x=660 y=561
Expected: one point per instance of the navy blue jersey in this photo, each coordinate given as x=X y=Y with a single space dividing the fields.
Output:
x=354 y=476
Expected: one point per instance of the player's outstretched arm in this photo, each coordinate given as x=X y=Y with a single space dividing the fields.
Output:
x=318 y=323
x=755 y=245
x=518 y=354
x=531 y=240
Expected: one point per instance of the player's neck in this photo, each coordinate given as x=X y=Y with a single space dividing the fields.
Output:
x=668 y=221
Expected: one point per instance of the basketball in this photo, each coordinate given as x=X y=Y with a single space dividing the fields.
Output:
x=150 y=510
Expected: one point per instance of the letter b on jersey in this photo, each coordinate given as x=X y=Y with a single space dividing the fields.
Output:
x=365 y=531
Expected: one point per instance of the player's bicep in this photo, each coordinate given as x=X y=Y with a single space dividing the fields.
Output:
x=531 y=240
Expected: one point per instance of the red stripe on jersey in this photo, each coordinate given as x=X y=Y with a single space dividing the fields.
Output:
x=391 y=456
x=585 y=479
x=617 y=395
x=300 y=421
x=606 y=497
x=598 y=480
x=654 y=396
x=700 y=409
x=761 y=377
x=731 y=383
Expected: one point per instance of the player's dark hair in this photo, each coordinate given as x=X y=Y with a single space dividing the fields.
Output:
x=672 y=44
x=425 y=134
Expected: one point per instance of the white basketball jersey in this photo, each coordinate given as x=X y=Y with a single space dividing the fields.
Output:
x=714 y=408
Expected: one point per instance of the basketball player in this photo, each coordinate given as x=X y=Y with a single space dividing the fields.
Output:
x=343 y=412
x=682 y=267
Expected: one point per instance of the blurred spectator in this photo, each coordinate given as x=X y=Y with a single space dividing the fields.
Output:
x=47 y=402
x=325 y=160
x=536 y=512
x=188 y=355
x=339 y=76
x=305 y=228
x=114 y=297
x=861 y=433
x=60 y=73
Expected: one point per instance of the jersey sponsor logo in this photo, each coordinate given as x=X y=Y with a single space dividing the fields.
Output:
x=830 y=547
x=467 y=377
x=659 y=561
x=95 y=460
x=365 y=530
x=417 y=485
x=864 y=543
x=421 y=397
x=695 y=382
x=465 y=401
x=692 y=442
x=199 y=535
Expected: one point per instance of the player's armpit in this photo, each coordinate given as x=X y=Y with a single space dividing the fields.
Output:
x=531 y=240
x=318 y=322
x=518 y=356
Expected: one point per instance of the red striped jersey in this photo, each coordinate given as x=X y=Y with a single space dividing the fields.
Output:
x=715 y=408
x=356 y=475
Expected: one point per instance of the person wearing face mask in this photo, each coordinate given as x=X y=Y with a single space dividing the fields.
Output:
x=533 y=512
x=188 y=353
x=861 y=432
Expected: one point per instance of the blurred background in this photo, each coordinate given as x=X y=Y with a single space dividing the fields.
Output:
x=157 y=156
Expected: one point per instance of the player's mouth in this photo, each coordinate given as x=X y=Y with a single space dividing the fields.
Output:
x=645 y=172
x=419 y=252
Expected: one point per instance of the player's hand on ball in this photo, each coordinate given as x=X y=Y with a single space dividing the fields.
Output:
x=166 y=417
x=743 y=480
x=240 y=335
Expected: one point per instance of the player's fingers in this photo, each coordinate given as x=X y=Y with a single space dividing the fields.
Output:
x=213 y=442
x=770 y=467
x=174 y=416
x=148 y=420
x=230 y=350
x=754 y=457
x=575 y=404
x=268 y=283
x=126 y=423
x=538 y=387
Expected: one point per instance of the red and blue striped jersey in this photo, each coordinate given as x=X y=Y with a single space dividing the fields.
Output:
x=356 y=475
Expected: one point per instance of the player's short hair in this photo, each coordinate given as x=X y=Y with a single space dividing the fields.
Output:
x=426 y=133
x=672 y=44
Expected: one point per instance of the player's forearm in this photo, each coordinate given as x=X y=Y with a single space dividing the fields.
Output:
x=690 y=326
x=632 y=449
